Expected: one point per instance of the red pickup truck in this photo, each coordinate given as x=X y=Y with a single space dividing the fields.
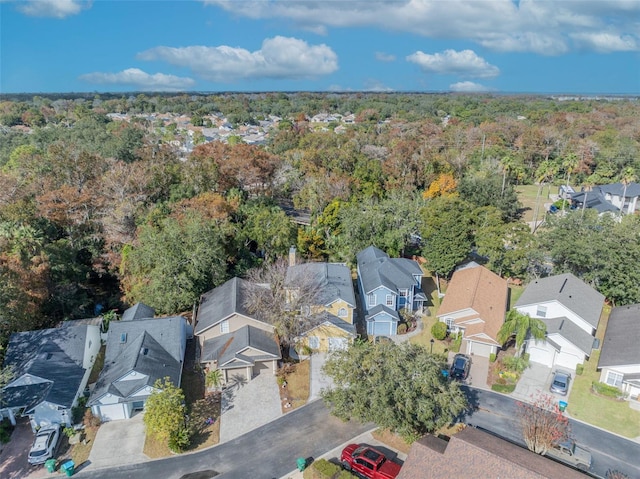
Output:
x=368 y=462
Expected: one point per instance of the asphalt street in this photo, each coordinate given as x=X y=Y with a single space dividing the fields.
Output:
x=265 y=453
x=271 y=451
x=497 y=413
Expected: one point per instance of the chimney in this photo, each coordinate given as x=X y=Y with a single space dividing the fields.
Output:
x=292 y=256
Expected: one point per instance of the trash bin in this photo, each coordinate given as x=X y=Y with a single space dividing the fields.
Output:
x=301 y=463
x=68 y=467
x=562 y=405
x=50 y=464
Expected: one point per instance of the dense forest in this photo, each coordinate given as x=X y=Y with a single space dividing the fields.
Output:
x=97 y=213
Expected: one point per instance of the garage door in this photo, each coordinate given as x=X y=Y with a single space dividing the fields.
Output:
x=111 y=412
x=480 y=349
x=567 y=361
x=338 y=343
x=382 y=328
x=541 y=355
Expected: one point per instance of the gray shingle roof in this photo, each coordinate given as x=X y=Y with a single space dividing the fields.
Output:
x=228 y=348
x=571 y=332
x=333 y=280
x=221 y=302
x=568 y=290
x=595 y=199
x=620 y=345
x=326 y=317
x=377 y=269
x=381 y=308
x=149 y=347
x=633 y=189
x=138 y=311
x=55 y=356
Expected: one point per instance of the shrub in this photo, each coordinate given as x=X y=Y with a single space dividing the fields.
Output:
x=579 y=369
x=515 y=364
x=455 y=347
x=402 y=328
x=5 y=431
x=179 y=440
x=69 y=431
x=615 y=474
x=503 y=388
x=492 y=357
x=439 y=330
x=606 y=390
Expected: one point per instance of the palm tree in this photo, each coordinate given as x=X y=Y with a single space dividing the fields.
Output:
x=214 y=379
x=569 y=163
x=520 y=326
x=628 y=176
x=545 y=172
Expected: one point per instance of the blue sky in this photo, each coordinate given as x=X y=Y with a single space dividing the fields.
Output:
x=502 y=46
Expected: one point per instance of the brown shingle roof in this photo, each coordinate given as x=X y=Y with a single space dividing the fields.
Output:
x=481 y=290
x=475 y=453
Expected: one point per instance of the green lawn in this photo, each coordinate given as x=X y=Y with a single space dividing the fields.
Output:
x=424 y=338
x=514 y=294
x=610 y=414
x=527 y=195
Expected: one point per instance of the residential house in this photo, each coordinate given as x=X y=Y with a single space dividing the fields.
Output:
x=475 y=305
x=51 y=370
x=609 y=198
x=571 y=311
x=336 y=303
x=387 y=285
x=232 y=339
x=139 y=352
x=619 y=362
x=475 y=453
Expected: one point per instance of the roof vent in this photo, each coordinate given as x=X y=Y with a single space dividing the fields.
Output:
x=564 y=283
x=144 y=351
x=123 y=338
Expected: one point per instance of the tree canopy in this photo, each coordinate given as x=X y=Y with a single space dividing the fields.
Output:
x=399 y=387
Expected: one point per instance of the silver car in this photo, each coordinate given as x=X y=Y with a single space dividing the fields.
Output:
x=45 y=444
x=560 y=383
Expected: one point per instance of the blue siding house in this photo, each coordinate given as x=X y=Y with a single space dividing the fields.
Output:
x=386 y=286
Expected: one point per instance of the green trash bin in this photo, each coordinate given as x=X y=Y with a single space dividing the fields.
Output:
x=562 y=405
x=68 y=467
x=302 y=463
x=50 y=464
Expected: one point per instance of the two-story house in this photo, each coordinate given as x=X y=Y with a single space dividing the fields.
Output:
x=387 y=285
x=333 y=326
x=571 y=311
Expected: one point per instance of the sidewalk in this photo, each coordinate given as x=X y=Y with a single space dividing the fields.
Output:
x=366 y=438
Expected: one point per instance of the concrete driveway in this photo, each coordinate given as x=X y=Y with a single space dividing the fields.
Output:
x=247 y=405
x=317 y=378
x=119 y=443
x=535 y=380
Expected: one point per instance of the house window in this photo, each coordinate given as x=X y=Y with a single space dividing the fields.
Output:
x=314 y=342
x=224 y=327
x=614 y=379
x=371 y=299
x=403 y=293
x=389 y=301
x=541 y=312
x=449 y=322
x=342 y=313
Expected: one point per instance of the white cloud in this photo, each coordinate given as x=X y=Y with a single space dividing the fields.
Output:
x=607 y=42
x=279 y=58
x=140 y=79
x=385 y=57
x=52 y=8
x=376 y=85
x=468 y=86
x=546 y=27
x=450 y=62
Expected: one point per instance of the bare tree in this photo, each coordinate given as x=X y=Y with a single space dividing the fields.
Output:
x=543 y=424
x=287 y=297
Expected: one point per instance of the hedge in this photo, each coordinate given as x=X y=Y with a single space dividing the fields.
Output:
x=503 y=388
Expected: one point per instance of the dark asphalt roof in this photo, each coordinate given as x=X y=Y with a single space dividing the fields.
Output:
x=221 y=302
x=138 y=311
x=568 y=290
x=633 y=189
x=332 y=279
x=377 y=269
x=381 y=308
x=571 y=332
x=326 y=317
x=620 y=346
x=227 y=349
x=149 y=347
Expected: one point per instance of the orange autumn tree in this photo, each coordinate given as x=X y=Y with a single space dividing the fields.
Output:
x=444 y=185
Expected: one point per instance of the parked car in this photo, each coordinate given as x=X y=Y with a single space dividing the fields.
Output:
x=568 y=452
x=460 y=367
x=368 y=462
x=560 y=383
x=45 y=444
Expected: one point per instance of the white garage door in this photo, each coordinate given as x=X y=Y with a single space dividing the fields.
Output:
x=480 y=349
x=541 y=355
x=337 y=343
x=568 y=361
x=110 y=412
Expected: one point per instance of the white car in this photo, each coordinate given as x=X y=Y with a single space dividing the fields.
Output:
x=45 y=444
